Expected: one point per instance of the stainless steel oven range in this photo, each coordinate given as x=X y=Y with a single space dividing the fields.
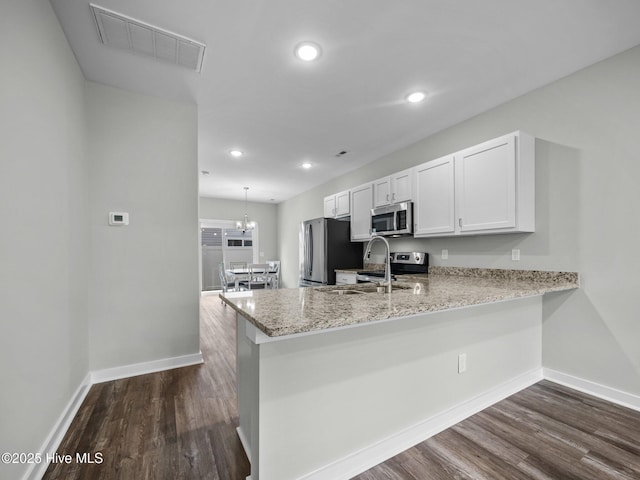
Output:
x=402 y=263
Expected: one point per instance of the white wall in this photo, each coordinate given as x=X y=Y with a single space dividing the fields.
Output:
x=587 y=171
x=143 y=285
x=264 y=214
x=44 y=237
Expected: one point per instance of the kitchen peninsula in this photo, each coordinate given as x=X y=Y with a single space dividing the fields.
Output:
x=333 y=380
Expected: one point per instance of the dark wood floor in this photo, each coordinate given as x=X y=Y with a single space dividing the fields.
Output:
x=180 y=424
x=177 y=424
x=544 y=432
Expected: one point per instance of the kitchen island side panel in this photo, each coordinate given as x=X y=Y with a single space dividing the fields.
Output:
x=326 y=396
x=248 y=382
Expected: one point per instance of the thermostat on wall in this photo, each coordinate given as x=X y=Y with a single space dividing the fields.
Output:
x=118 y=218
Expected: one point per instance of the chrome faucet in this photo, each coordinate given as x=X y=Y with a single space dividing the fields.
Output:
x=387 y=268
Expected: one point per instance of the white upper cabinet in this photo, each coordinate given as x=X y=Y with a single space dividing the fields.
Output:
x=434 y=211
x=402 y=186
x=361 y=205
x=330 y=206
x=382 y=191
x=337 y=205
x=394 y=188
x=487 y=188
x=495 y=185
x=486 y=176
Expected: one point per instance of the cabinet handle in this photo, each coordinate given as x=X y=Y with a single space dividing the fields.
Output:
x=393 y=196
x=387 y=197
x=460 y=222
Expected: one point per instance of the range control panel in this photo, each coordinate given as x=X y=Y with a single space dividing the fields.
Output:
x=412 y=258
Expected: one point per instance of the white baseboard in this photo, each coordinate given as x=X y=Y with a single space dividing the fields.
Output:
x=125 y=371
x=245 y=443
x=52 y=442
x=376 y=453
x=604 y=392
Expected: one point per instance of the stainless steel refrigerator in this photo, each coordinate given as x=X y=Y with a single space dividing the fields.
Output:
x=325 y=244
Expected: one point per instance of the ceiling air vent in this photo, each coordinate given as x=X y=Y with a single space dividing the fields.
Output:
x=120 y=31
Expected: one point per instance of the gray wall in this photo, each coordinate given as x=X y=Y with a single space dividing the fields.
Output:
x=44 y=239
x=264 y=214
x=587 y=170
x=143 y=286
x=76 y=295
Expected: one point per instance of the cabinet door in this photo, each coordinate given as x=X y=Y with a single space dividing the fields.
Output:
x=382 y=192
x=434 y=211
x=402 y=186
x=342 y=204
x=361 y=204
x=486 y=185
x=330 y=206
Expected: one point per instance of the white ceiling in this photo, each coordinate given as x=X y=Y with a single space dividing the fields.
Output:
x=253 y=94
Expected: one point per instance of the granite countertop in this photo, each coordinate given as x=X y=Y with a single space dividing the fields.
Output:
x=301 y=310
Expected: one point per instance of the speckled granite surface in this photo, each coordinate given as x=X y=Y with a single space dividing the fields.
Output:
x=299 y=310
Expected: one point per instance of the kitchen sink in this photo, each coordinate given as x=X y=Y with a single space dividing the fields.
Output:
x=344 y=292
x=367 y=289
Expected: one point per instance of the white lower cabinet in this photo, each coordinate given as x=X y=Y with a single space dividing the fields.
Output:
x=346 y=278
x=487 y=188
x=361 y=205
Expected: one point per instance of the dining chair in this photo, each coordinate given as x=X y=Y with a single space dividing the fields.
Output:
x=274 y=273
x=225 y=280
x=238 y=265
x=258 y=276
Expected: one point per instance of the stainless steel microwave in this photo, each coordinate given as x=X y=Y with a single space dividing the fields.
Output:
x=392 y=220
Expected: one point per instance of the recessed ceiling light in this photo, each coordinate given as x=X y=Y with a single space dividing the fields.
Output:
x=236 y=153
x=306 y=165
x=307 y=51
x=415 y=97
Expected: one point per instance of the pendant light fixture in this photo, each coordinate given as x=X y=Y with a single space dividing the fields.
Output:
x=245 y=224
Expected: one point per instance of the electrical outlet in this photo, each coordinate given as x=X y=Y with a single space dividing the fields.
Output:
x=445 y=254
x=462 y=363
x=515 y=254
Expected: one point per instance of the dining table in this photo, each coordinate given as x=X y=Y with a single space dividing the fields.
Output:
x=241 y=274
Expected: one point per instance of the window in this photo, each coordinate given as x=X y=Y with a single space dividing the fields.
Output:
x=238 y=238
x=211 y=237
